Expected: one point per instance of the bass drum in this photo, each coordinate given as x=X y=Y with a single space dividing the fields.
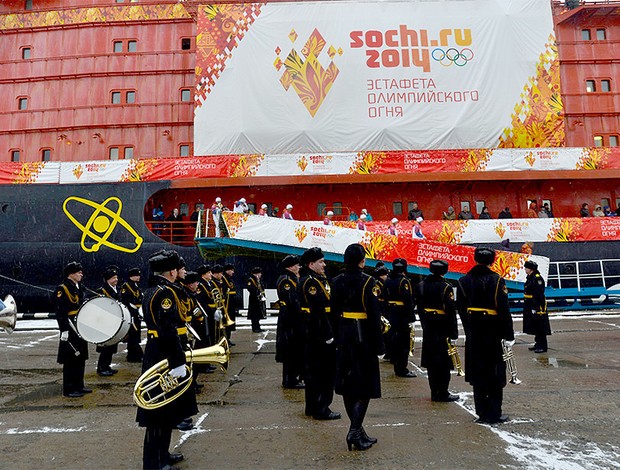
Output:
x=103 y=321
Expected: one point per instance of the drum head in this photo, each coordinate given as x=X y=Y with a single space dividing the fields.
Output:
x=100 y=319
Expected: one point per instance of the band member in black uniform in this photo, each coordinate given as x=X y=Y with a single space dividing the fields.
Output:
x=232 y=301
x=108 y=289
x=288 y=333
x=163 y=321
x=354 y=303
x=257 y=309
x=186 y=308
x=72 y=349
x=380 y=274
x=207 y=294
x=222 y=286
x=437 y=312
x=197 y=322
x=131 y=296
x=535 y=317
x=399 y=295
x=483 y=308
x=319 y=345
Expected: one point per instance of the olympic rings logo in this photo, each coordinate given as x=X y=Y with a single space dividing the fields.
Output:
x=452 y=56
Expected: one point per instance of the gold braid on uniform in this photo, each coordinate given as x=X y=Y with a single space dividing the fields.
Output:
x=74 y=299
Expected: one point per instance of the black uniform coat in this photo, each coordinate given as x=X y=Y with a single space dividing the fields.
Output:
x=319 y=357
x=256 y=307
x=210 y=299
x=535 y=317
x=434 y=295
x=399 y=295
x=68 y=299
x=107 y=291
x=162 y=318
x=132 y=296
x=359 y=341
x=483 y=288
x=289 y=318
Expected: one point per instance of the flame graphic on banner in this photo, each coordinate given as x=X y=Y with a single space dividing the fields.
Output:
x=564 y=230
x=138 y=170
x=367 y=163
x=301 y=233
x=450 y=232
x=507 y=264
x=247 y=165
x=308 y=78
x=234 y=221
x=476 y=160
x=302 y=163
x=593 y=158
x=28 y=172
x=500 y=230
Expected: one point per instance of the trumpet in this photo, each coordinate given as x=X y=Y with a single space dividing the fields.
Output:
x=509 y=359
x=156 y=387
x=385 y=325
x=456 y=360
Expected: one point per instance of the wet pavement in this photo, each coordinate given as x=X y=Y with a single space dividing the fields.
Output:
x=565 y=414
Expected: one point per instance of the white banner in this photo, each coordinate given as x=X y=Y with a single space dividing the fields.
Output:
x=342 y=76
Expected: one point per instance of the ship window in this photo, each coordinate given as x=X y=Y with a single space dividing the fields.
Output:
x=606 y=86
x=590 y=86
x=465 y=205
x=585 y=34
x=397 y=208
x=598 y=140
x=184 y=150
x=113 y=153
x=186 y=94
x=116 y=97
x=605 y=202
x=613 y=140
x=28 y=5
x=130 y=97
x=22 y=103
x=600 y=34
x=186 y=43
x=337 y=208
x=132 y=46
x=320 y=207
x=184 y=208
x=252 y=207
x=118 y=46
x=26 y=52
x=46 y=155
x=15 y=154
x=128 y=153
x=479 y=206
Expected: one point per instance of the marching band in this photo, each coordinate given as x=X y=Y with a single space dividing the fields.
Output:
x=329 y=338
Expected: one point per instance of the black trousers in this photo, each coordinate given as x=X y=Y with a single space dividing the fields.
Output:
x=488 y=401
x=134 y=350
x=73 y=376
x=540 y=341
x=438 y=380
x=255 y=323
x=291 y=371
x=155 y=452
x=105 y=358
x=400 y=350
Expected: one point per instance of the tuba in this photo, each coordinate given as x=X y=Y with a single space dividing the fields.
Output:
x=456 y=360
x=385 y=325
x=509 y=359
x=8 y=314
x=156 y=387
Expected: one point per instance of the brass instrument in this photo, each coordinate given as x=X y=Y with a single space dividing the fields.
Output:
x=456 y=360
x=220 y=304
x=411 y=339
x=156 y=387
x=385 y=325
x=509 y=359
x=8 y=315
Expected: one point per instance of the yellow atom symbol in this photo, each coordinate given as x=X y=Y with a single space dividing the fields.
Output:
x=101 y=224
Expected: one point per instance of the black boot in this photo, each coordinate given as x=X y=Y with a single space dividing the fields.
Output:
x=366 y=437
x=356 y=441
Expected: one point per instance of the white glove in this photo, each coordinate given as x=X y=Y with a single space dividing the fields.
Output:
x=453 y=341
x=64 y=336
x=178 y=372
x=411 y=326
x=263 y=298
x=510 y=343
x=329 y=341
x=218 y=315
x=381 y=356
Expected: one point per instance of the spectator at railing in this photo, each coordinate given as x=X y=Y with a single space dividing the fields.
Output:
x=328 y=218
x=548 y=210
x=368 y=216
x=505 y=214
x=485 y=213
x=361 y=223
x=416 y=232
x=465 y=214
x=353 y=217
x=176 y=230
x=241 y=206
x=598 y=211
x=158 y=215
x=216 y=211
x=263 y=210
x=584 y=211
x=393 y=227
x=608 y=212
x=450 y=214
x=288 y=212
x=415 y=212
x=532 y=212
